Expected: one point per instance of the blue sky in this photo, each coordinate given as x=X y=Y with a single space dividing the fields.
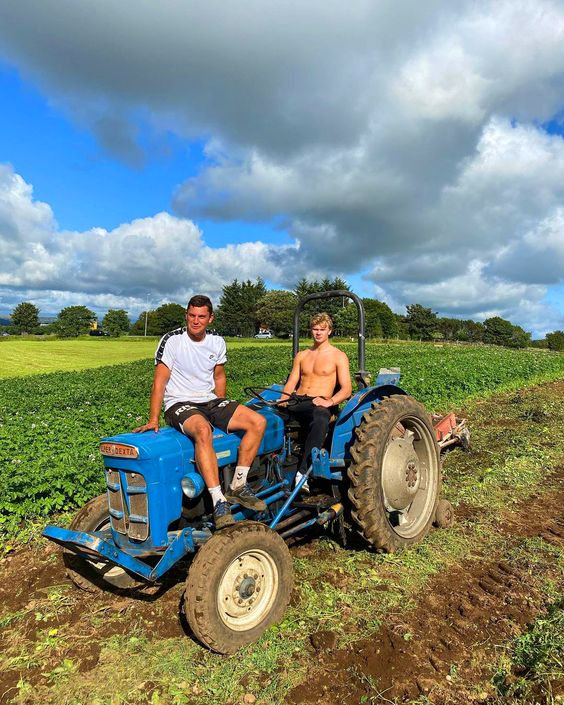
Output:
x=155 y=152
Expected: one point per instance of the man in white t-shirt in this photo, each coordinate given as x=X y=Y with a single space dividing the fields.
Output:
x=190 y=378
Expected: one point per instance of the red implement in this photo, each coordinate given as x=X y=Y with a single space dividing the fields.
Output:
x=450 y=430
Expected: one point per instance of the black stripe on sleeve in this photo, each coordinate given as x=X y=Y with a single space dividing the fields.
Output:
x=160 y=350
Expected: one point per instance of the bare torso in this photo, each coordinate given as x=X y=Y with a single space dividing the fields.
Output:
x=318 y=371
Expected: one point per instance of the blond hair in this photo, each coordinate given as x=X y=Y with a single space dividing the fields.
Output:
x=319 y=319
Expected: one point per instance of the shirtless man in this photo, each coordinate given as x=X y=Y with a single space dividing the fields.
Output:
x=316 y=374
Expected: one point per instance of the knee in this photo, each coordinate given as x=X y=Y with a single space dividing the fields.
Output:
x=201 y=433
x=259 y=424
x=321 y=417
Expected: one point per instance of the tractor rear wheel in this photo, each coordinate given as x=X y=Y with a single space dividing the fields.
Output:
x=239 y=584
x=93 y=574
x=395 y=475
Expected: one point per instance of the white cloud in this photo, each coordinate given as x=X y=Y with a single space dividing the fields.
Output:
x=163 y=257
x=400 y=139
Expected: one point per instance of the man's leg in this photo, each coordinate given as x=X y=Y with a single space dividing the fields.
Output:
x=318 y=418
x=253 y=425
x=198 y=428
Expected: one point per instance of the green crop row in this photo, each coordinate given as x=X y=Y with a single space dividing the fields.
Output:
x=50 y=425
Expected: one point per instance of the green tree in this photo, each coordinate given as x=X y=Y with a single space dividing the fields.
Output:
x=403 y=331
x=555 y=340
x=138 y=328
x=346 y=320
x=331 y=306
x=237 y=310
x=388 y=319
x=449 y=328
x=73 y=321
x=168 y=317
x=116 y=322
x=275 y=310
x=160 y=321
x=421 y=322
x=471 y=331
x=498 y=331
x=25 y=317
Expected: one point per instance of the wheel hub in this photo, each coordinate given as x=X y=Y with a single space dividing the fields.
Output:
x=247 y=590
x=248 y=586
x=400 y=473
x=411 y=474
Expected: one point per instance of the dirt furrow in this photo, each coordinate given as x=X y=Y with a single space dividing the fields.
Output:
x=443 y=648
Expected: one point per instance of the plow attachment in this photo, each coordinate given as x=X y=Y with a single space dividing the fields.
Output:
x=451 y=431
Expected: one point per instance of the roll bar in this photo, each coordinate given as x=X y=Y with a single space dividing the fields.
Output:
x=362 y=377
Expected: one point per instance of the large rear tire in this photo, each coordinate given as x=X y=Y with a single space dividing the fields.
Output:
x=395 y=476
x=239 y=584
x=93 y=574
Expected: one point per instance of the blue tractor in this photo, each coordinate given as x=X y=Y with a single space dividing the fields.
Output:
x=379 y=467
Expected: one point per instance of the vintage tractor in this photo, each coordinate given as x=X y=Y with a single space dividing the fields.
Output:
x=380 y=465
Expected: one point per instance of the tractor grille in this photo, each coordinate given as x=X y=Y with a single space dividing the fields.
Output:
x=129 y=511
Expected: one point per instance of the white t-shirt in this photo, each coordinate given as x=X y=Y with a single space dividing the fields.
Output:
x=191 y=366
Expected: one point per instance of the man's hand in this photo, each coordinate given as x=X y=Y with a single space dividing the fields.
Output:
x=150 y=426
x=321 y=401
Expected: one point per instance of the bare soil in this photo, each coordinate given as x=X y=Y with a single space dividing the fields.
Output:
x=444 y=647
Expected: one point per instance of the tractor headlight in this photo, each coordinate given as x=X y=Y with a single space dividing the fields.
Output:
x=192 y=485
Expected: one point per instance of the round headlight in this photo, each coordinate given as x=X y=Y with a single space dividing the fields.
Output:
x=192 y=485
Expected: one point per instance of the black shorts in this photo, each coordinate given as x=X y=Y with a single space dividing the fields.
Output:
x=217 y=411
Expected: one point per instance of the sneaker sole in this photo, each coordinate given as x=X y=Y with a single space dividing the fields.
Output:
x=224 y=521
x=255 y=504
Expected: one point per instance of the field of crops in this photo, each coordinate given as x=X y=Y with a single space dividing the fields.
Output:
x=50 y=424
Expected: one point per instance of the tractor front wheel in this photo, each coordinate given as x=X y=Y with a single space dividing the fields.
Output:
x=239 y=584
x=91 y=573
x=395 y=475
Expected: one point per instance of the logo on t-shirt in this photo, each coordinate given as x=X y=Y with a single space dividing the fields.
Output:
x=212 y=356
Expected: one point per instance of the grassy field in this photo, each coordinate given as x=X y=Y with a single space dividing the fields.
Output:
x=23 y=356
x=29 y=356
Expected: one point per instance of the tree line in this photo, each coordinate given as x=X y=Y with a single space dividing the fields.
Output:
x=246 y=307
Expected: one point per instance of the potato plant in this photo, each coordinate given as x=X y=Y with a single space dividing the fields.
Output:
x=50 y=425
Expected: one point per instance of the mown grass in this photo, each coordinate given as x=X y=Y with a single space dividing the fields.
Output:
x=31 y=355
x=348 y=591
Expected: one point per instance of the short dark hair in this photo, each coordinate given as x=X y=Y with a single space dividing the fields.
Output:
x=200 y=300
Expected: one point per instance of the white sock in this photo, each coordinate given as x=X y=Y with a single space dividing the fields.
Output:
x=240 y=477
x=216 y=495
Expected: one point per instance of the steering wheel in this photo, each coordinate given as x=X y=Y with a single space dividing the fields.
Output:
x=257 y=392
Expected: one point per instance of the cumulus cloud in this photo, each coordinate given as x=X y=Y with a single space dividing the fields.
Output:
x=402 y=140
x=163 y=257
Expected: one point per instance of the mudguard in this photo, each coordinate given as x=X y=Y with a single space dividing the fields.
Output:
x=351 y=415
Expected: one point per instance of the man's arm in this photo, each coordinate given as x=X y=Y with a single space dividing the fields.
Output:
x=344 y=380
x=293 y=379
x=161 y=377
x=220 y=380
